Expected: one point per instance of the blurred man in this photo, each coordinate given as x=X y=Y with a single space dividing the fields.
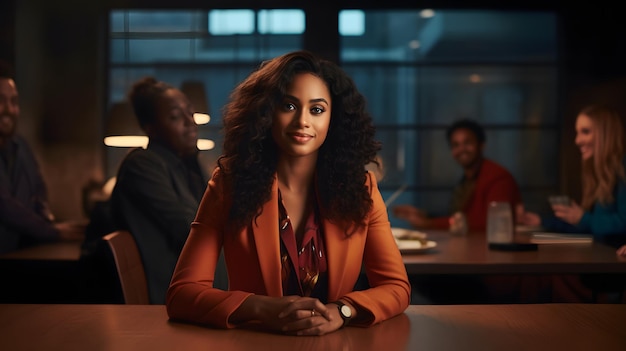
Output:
x=25 y=218
x=483 y=181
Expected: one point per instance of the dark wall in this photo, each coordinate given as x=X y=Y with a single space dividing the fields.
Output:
x=59 y=68
x=58 y=50
x=593 y=71
x=7 y=31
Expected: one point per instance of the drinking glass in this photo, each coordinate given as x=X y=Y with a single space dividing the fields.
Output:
x=499 y=223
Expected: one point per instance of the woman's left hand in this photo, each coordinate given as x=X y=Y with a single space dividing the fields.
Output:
x=571 y=214
x=314 y=325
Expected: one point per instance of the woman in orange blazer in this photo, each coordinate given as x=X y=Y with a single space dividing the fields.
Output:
x=294 y=211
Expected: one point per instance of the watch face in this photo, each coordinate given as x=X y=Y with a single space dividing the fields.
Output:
x=345 y=311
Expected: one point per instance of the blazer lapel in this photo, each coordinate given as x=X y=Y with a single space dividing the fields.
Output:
x=267 y=242
x=337 y=246
x=338 y=253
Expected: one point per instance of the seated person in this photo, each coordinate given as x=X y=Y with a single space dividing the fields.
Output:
x=158 y=189
x=294 y=210
x=602 y=211
x=483 y=181
x=25 y=217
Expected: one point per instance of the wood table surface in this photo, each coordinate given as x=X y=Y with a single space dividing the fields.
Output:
x=436 y=327
x=470 y=255
x=48 y=273
x=58 y=251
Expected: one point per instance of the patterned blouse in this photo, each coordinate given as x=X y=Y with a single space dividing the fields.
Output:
x=303 y=268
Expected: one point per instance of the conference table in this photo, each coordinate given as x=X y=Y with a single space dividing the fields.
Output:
x=450 y=327
x=62 y=251
x=470 y=254
x=48 y=273
x=464 y=270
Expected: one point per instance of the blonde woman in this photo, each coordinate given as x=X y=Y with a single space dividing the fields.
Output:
x=602 y=212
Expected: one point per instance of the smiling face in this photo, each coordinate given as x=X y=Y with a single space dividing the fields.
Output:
x=174 y=124
x=301 y=122
x=465 y=148
x=585 y=138
x=9 y=109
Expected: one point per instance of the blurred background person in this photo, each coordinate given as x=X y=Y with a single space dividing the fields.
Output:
x=483 y=181
x=602 y=210
x=158 y=189
x=25 y=217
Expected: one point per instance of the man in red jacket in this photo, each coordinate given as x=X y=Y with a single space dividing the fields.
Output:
x=483 y=181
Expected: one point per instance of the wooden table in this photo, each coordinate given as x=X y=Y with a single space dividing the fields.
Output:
x=58 y=251
x=48 y=273
x=459 y=327
x=470 y=255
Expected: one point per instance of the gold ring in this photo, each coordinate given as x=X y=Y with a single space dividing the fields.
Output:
x=312 y=313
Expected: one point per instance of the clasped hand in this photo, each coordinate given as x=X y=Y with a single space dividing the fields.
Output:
x=571 y=214
x=296 y=315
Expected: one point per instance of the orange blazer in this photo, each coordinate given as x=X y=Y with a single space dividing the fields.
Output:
x=252 y=258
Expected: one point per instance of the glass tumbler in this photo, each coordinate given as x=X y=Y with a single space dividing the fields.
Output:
x=499 y=223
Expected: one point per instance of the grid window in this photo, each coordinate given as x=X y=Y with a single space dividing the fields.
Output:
x=420 y=69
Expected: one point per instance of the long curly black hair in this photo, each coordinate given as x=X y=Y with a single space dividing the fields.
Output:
x=250 y=155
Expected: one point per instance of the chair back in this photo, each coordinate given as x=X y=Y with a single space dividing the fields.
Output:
x=129 y=267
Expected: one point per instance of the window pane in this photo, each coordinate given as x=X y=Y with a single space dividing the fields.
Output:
x=506 y=95
x=390 y=91
x=351 y=22
x=117 y=50
x=421 y=71
x=116 y=22
x=281 y=21
x=228 y=22
x=449 y=35
x=253 y=48
x=162 y=21
x=154 y=50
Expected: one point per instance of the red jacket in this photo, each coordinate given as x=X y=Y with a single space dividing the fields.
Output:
x=494 y=183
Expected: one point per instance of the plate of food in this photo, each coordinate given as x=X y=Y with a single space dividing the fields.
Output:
x=407 y=234
x=412 y=241
x=415 y=246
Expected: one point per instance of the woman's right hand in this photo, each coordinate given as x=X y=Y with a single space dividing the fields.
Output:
x=289 y=314
x=526 y=218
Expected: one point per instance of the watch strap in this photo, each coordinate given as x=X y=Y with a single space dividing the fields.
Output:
x=346 y=318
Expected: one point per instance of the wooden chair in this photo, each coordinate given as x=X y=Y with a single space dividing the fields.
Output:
x=129 y=267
